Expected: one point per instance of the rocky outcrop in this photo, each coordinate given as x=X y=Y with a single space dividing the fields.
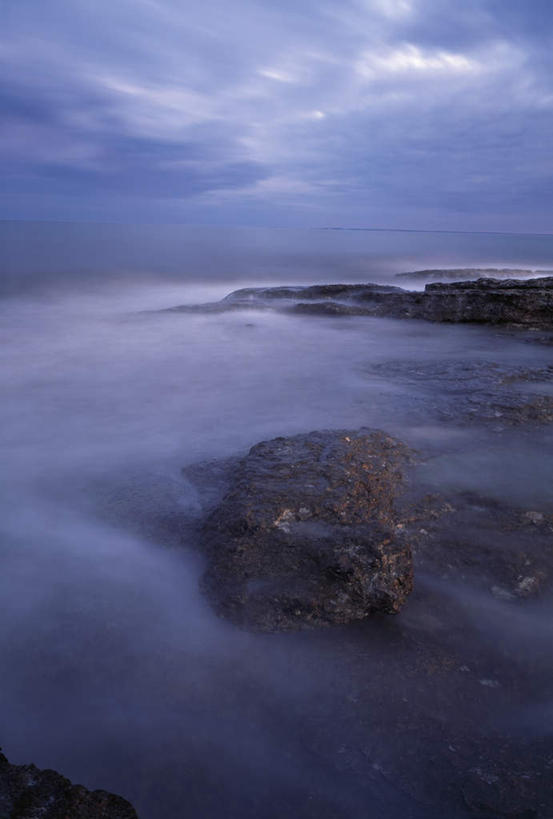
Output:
x=488 y=300
x=307 y=533
x=358 y=292
x=526 y=303
x=279 y=532
x=460 y=274
x=435 y=679
x=29 y=793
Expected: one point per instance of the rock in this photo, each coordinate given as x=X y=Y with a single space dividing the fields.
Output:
x=29 y=793
x=479 y=392
x=534 y=517
x=501 y=793
x=329 y=308
x=488 y=300
x=318 y=529
x=307 y=534
x=483 y=541
x=527 y=303
x=502 y=594
x=472 y=273
x=530 y=585
x=314 y=291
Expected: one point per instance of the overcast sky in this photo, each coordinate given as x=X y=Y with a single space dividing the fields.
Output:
x=421 y=114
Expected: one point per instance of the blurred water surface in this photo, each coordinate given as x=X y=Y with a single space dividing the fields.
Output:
x=114 y=669
x=38 y=254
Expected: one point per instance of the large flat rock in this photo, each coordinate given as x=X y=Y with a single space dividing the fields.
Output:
x=306 y=534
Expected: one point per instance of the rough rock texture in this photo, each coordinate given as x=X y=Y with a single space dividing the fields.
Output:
x=485 y=301
x=314 y=291
x=471 y=273
x=527 y=303
x=489 y=300
x=423 y=703
x=503 y=793
x=306 y=535
x=28 y=793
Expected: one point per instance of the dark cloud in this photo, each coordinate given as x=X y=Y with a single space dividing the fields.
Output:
x=137 y=167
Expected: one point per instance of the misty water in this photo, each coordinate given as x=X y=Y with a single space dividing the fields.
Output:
x=115 y=671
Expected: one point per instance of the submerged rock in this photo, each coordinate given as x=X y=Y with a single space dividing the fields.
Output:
x=28 y=793
x=470 y=538
x=307 y=533
x=477 y=392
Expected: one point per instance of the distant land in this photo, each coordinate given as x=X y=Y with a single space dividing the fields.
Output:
x=415 y=230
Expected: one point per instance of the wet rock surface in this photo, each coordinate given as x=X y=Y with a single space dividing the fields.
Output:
x=486 y=300
x=303 y=532
x=445 y=704
x=29 y=793
x=500 y=792
x=306 y=535
x=474 y=392
x=315 y=291
x=467 y=537
x=425 y=712
x=423 y=698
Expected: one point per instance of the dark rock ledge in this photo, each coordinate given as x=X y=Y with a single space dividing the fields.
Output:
x=462 y=274
x=526 y=303
x=29 y=793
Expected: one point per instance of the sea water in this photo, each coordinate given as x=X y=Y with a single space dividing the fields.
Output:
x=114 y=669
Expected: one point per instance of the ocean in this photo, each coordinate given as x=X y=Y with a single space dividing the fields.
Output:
x=115 y=671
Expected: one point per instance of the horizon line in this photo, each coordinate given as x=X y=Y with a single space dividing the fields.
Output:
x=282 y=227
x=440 y=230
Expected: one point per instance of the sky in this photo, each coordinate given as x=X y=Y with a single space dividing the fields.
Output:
x=423 y=114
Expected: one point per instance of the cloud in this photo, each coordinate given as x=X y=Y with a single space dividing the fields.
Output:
x=409 y=58
x=394 y=8
x=337 y=107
